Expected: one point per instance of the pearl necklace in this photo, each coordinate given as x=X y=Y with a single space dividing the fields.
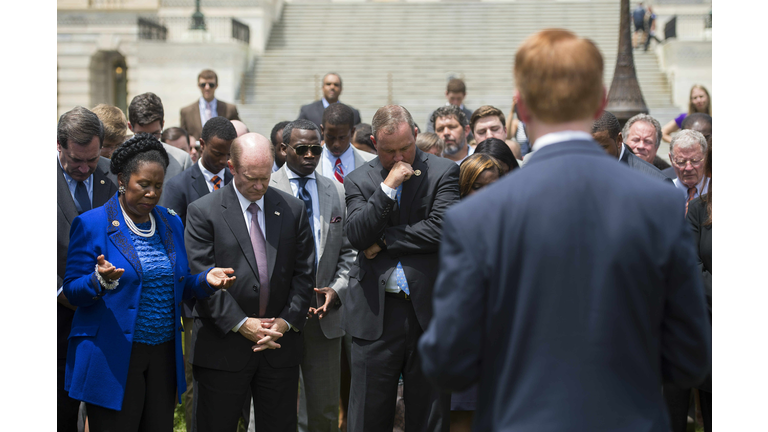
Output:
x=136 y=230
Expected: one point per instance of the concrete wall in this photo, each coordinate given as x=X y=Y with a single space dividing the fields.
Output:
x=687 y=63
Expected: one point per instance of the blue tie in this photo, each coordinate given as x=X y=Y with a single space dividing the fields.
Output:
x=81 y=195
x=307 y=198
x=399 y=274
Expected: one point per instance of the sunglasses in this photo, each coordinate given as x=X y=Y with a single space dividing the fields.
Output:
x=207 y=84
x=301 y=150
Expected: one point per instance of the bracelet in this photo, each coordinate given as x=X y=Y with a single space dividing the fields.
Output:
x=107 y=285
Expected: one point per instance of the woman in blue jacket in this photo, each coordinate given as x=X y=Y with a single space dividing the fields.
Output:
x=127 y=272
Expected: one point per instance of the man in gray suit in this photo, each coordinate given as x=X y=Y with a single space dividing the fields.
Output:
x=327 y=211
x=339 y=157
x=146 y=114
x=82 y=183
x=606 y=130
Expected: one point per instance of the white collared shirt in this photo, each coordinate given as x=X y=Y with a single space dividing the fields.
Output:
x=209 y=175
x=325 y=103
x=201 y=104
x=621 y=155
x=558 y=137
x=311 y=187
x=274 y=165
x=470 y=151
x=329 y=162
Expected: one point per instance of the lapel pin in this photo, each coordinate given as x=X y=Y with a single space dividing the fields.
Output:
x=115 y=223
x=417 y=173
x=102 y=182
x=277 y=213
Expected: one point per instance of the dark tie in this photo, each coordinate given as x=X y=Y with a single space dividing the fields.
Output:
x=260 y=251
x=338 y=171
x=307 y=198
x=81 y=195
x=691 y=195
x=216 y=180
x=399 y=273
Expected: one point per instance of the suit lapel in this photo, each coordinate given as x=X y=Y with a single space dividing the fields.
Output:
x=324 y=189
x=120 y=234
x=198 y=181
x=359 y=161
x=411 y=186
x=377 y=175
x=227 y=176
x=101 y=188
x=273 y=222
x=64 y=196
x=232 y=214
x=166 y=234
x=196 y=120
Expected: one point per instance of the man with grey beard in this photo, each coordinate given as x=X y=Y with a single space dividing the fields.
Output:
x=452 y=125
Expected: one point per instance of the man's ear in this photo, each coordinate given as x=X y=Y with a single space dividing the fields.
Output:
x=202 y=145
x=522 y=108
x=231 y=167
x=373 y=140
x=620 y=139
x=130 y=126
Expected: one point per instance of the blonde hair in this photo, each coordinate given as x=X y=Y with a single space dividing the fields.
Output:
x=692 y=107
x=472 y=167
x=426 y=140
x=114 y=121
x=559 y=76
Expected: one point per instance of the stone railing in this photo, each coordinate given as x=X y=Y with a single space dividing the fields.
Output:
x=177 y=29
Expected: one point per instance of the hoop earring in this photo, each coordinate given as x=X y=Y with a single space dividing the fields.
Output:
x=121 y=190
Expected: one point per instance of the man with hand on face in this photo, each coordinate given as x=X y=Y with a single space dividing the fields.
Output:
x=452 y=126
x=331 y=92
x=194 y=116
x=339 y=156
x=327 y=213
x=248 y=337
x=395 y=206
x=146 y=114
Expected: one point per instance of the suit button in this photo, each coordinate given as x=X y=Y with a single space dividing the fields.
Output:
x=181 y=278
x=255 y=288
x=383 y=282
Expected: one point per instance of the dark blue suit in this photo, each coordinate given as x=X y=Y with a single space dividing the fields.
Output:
x=570 y=299
x=100 y=342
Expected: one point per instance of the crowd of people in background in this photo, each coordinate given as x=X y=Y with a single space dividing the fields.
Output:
x=332 y=274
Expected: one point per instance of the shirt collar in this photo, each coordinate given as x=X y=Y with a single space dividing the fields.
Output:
x=621 y=155
x=347 y=158
x=244 y=203
x=207 y=174
x=292 y=175
x=558 y=137
x=699 y=187
x=325 y=102
x=202 y=103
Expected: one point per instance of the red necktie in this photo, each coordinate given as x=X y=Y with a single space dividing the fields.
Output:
x=691 y=195
x=338 y=172
x=216 y=180
x=260 y=251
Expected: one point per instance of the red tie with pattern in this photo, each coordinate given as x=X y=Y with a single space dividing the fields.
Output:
x=338 y=172
x=216 y=180
x=691 y=195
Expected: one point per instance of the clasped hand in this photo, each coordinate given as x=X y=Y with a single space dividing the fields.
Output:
x=265 y=332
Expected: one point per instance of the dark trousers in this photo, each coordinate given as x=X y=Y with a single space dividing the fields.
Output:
x=678 y=403
x=376 y=368
x=66 y=407
x=150 y=393
x=219 y=396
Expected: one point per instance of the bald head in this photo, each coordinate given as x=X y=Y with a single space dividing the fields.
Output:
x=250 y=163
x=240 y=127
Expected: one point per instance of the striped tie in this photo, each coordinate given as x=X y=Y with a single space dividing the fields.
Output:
x=216 y=180
x=338 y=172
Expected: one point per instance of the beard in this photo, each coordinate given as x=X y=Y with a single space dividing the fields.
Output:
x=453 y=148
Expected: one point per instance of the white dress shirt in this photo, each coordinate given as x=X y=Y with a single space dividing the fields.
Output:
x=202 y=103
x=329 y=160
x=558 y=137
x=312 y=189
x=209 y=175
x=470 y=151
x=274 y=165
x=325 y=103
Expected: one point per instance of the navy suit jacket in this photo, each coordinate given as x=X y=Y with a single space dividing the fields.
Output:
x=638 y=164
x=102 y=331
x=570 y=299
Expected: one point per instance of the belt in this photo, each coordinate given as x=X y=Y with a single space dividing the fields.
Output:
x=398 y=295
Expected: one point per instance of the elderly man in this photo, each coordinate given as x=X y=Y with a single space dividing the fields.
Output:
x=642 y=133
x=564 y=297
x=606 y=130
x=452 y=125
x=248 y=337
x=689 y=149
x=194 y=115
x=331 y=91
x=82 y=183
x=395 y=205
x=700 y=122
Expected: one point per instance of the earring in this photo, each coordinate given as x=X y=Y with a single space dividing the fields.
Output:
x=121 y=190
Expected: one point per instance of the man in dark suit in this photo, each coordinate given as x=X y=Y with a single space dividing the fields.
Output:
x=248 y=337
x=573 y=293
x=339 y=156
x=324 y=200
x=606 y=130
x=194 y=115
x=331 y=92
x=395 y=206
x=82 y=184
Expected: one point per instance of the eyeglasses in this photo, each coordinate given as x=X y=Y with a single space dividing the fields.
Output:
x=207 y=84
x=301 y=150
x=683 y=163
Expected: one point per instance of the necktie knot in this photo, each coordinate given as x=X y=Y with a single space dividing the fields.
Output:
x=691 y=193
x=253 y=209
x=303 y=182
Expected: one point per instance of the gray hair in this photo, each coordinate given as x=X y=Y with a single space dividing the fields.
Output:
x=646 y=118
x=687 y=138
x=387 y=118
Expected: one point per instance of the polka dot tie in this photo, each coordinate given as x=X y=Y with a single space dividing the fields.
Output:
x=399 y=273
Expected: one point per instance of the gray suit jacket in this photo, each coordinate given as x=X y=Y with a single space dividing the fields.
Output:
x=360 y=159
x=178 y=161
x=335 y=252
x=638 y=164
x=66 y=212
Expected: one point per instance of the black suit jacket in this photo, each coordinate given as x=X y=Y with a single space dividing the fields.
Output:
x=66 y=212
x=412 y=231
x=638 y=164
x=180 y=191
x=575 y=287
x=314 y=112
x=216 y=235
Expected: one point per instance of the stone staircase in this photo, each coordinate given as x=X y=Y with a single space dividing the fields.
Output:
x=405 y=53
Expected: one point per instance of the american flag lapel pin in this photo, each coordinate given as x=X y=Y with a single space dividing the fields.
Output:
x=277 y=213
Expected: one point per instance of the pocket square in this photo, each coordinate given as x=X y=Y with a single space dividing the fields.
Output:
x=336 y=219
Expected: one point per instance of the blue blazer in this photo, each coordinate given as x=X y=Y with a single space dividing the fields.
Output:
x=99 y=348
x=569 y=290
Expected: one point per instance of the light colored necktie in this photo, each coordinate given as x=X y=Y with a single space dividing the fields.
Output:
x=338 y=172
x=260 y=251
x=691 y=195
x=399 y=273
x=207 y=111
